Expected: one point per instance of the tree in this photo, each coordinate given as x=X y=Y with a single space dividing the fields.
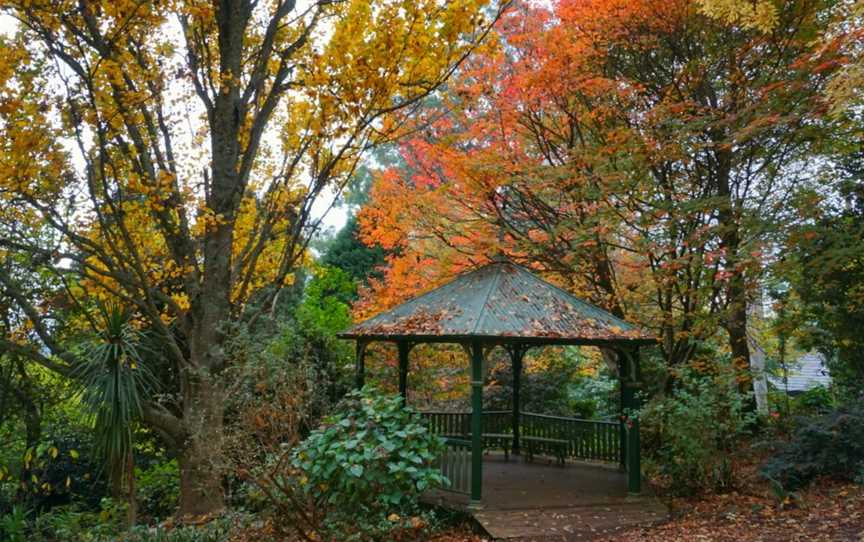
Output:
x=115 y=383
x=346 y=252
x=175 y=150
x=824 y=264
x=639 y=153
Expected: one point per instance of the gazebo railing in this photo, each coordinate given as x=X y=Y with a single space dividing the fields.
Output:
x=458 y=424
x=595 y=440
x=455 y=465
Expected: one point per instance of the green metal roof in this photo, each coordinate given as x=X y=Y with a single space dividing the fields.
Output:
x=499 y=302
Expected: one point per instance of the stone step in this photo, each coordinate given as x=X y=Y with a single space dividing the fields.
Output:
x=570 y=524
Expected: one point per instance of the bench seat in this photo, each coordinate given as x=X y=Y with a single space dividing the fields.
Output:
x=490 y=441
x=541 y=445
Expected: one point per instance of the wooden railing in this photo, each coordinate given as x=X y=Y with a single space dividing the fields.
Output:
x=586 y=439
x=455 y=465
x=459 y=423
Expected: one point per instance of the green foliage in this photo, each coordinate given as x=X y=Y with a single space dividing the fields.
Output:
x=372 y=456
x=62 y=469
x=325 y=308
x=114 y=384
x=558 y=388
x=595 y=396
x=218 y=530
x=286 y=373
x=158 y=489
x=68 y=524
x=825 y=266
x=545 y=391
x=357 y=477
x=782 y=496
x=13 y=526
x=831 y=444
x=72 y=523
x=692 y=434
x=305 y=333
x=813 y=401
x=347 y=253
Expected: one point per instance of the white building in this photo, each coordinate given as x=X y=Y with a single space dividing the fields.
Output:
x=807 y=372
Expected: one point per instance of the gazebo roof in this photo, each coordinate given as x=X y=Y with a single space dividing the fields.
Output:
x=500 y=302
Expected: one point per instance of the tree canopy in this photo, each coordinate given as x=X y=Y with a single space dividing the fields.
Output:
x=167 y=155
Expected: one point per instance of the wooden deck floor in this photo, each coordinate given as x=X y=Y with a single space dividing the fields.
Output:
x=545 y=502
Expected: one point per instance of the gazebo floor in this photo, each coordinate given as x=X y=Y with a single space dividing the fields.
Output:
x=543 y=501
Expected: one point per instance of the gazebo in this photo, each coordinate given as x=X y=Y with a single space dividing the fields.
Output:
x=504 y=304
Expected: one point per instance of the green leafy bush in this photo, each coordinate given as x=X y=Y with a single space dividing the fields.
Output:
x=77 y=523
x=813 y=401
x=691 y=435
x=63 y=469
x=218 y=530
x=13 y=526
x=360 y=475
x=831 y=444
x=558 y=389
x=158 y=489
x=373 y=455
x=595 y=397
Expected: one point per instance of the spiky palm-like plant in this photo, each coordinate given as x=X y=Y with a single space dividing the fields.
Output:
x=114 y=384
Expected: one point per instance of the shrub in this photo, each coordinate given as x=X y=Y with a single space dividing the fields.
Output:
x=558 y=388
x=360 y=475
x=831 y=444
x=76 y=523
x=63 y=469
x=813 y=401
x=594 y=397
x=13 y=526
x=158 y=489
x=372 y=454
x=692 y=434
x=218 y=530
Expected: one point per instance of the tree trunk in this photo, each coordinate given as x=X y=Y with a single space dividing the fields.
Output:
x=33 y=428
x=736 y=288
x=736 y=327
x=122 y=475
x=200 y=457
x=132 y=512
x=736 y=302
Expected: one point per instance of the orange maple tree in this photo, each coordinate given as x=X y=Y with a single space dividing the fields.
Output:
x=635 y=152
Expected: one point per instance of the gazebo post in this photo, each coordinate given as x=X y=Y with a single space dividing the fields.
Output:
x=476 y=423
x=517 y=354
x=630 y=382
x=360 y=364
x=404 y=351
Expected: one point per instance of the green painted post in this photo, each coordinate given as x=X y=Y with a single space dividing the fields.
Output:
x=516 y=355
x=360 y=365
x=630 y=384
x=622 y=426
x=634 y=462
x=404 y=350
x=476 y=423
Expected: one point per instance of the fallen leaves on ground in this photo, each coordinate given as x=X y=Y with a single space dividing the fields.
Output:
x=826 y=512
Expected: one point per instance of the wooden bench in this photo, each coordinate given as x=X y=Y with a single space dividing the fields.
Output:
x=547 y=446
x=498 y=440
x=491 y=440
